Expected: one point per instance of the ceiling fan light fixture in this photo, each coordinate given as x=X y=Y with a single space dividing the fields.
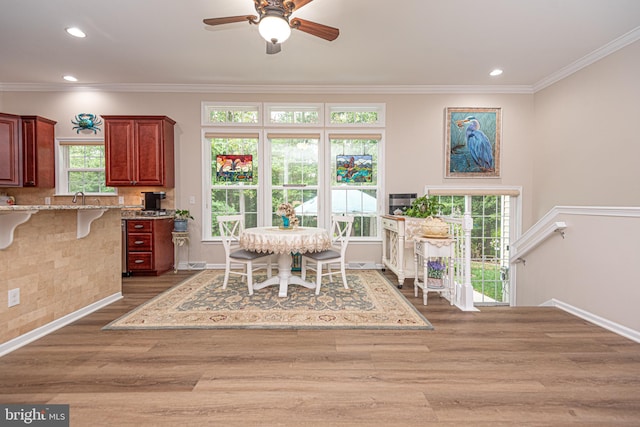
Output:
x=274 y=29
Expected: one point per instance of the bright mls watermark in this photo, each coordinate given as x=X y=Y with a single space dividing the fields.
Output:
x=34 y=415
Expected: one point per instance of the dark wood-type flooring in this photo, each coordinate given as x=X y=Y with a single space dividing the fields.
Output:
x=498 y=367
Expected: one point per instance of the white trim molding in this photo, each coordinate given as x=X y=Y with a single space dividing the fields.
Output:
x=596 y=320
x=44 y=330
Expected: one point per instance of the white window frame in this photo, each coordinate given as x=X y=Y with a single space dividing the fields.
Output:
x=231 y=106
x=62 y=183
x=324 y=128
x=318 y=107
x=352 y=107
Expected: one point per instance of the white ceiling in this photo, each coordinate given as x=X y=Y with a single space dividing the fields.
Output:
x=382 y=43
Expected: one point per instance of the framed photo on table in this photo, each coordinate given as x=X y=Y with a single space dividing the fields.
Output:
x=472 y=142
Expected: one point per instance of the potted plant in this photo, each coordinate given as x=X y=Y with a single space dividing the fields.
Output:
x=425 y=210
x=435 y=272
x=180 y=219
x=424 y=207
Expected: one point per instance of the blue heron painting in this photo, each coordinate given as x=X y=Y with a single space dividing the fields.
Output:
x=473 y=142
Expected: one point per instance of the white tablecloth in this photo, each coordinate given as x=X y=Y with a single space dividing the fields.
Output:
x=281 y=241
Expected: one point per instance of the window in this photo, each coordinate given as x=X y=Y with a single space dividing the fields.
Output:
x=492 y=211
x=295 y=159
x=81 y=166
x=233 y=194
x=230 y=114
x=354 y=180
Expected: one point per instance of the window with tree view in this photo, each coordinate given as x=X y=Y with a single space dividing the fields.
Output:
x=82 y=166
x=294 y=159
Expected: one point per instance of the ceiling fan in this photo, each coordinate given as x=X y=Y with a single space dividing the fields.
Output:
x=275 y=22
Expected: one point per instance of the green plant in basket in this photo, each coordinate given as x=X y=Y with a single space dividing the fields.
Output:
x=424 y=207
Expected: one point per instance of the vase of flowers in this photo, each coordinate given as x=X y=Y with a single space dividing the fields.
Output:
x=435 y=272
x=288 y=215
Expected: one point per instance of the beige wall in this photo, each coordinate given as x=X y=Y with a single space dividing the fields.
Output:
x=413 y=153
x=586 y=139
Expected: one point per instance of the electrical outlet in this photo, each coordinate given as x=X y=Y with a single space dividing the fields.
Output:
x=14 y=297
x=47 y=200
x=121 y=200
x=192 y=200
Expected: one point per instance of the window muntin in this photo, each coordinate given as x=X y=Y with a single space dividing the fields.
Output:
x=81 y=167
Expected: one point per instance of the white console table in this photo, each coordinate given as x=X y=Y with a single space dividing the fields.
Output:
x=397 y=245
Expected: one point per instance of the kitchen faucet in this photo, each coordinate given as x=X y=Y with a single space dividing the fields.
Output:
x=75 y=197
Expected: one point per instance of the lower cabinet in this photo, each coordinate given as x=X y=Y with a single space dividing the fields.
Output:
x=149 y=246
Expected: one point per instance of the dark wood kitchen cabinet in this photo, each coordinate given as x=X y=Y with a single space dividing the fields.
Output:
x=149 y=246
x=38 y=136
x=139 y=151
x=10 y=151
x=27 y=157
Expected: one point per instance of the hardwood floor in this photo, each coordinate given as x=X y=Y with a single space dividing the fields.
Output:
x=500 y=366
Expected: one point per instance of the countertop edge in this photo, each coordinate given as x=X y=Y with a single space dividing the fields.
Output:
x=14 y=208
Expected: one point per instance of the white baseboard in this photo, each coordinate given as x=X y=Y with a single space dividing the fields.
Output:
x=597 y=320
x=40 y=332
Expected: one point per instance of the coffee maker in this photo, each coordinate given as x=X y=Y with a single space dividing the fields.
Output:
x=152 y=200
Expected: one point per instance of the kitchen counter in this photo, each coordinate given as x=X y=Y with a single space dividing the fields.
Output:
x=10 y=208
x=14 y=215
x=63 y=260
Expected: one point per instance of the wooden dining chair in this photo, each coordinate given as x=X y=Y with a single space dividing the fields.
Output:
x=340 y=232
x=231 y=226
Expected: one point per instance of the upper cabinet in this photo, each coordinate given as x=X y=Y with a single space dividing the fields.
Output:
x=39 y=156
x=27 y=151
x=139 y=151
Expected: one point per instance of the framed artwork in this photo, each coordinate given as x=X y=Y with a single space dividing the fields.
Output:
x=354 y=168
x=234 y=167
x=473 y=142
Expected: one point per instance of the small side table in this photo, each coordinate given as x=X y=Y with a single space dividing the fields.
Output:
x=179 y=238
x=426 y=248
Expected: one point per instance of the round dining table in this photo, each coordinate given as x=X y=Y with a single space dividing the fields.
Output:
x=284 y=242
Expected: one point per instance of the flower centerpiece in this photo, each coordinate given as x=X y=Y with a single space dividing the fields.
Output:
x=288 y=214
x=435 y=272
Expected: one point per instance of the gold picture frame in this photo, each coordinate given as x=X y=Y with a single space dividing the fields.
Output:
x=472 y=142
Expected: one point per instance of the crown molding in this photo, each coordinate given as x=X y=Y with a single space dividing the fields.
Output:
x=279 y=89
x=615 y=45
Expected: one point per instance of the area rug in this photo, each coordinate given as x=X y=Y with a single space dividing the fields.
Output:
x=372 y=302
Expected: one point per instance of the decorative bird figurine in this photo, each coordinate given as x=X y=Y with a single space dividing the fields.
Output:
x=478 y=143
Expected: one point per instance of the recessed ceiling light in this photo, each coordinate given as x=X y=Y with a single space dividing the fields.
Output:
x=75 y=32
x=70 y=78
x=495 y=72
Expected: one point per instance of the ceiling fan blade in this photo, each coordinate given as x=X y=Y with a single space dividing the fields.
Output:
x=230 y=19
x=273 y=48
x=297 y=4
x=315 y=29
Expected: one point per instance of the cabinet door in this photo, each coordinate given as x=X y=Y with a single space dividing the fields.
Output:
x=10 y=152
x=119 y=152
x=149 y=151
x=39 y=156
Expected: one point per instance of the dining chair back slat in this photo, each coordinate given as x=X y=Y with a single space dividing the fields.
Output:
x=231 y=227
x=341 y=226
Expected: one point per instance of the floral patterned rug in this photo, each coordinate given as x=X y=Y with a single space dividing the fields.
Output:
x=372 y=302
